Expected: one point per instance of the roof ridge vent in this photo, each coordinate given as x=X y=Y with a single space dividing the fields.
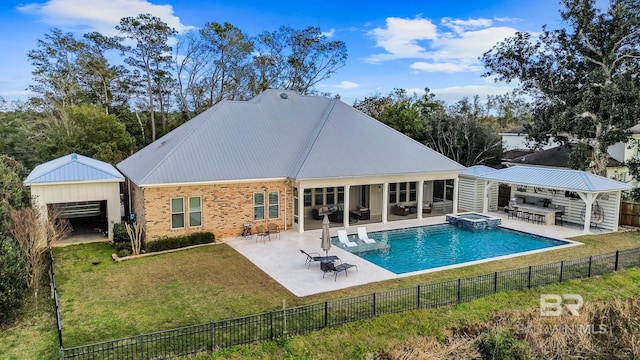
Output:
x=284 y=96
x=74 y=156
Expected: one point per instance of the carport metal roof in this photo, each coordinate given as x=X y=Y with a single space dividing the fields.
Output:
x=73 y=168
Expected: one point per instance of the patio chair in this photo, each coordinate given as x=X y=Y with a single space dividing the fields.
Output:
x=311 y=257
x=363 y=236
x=261 y=232
x=331 y=267
x=344 y=239
x=273 y=229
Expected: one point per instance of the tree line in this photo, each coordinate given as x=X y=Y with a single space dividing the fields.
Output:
x=105 y=97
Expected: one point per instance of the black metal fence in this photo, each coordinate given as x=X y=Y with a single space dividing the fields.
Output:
x=54 y=295
x=303 y=319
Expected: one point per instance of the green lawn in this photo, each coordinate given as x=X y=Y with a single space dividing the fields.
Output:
x=113 y=300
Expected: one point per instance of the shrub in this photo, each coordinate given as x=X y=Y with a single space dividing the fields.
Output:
x=13 y=282
x=502 y=344
x=176 y=242
x=120 y=234
x=123 y=253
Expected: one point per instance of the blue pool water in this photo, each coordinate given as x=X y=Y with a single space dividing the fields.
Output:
x=433 y=246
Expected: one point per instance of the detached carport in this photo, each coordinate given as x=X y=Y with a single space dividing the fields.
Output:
x=578 y=191
x=78 y=187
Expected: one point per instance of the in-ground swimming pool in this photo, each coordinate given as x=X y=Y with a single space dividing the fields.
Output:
x=434 y=246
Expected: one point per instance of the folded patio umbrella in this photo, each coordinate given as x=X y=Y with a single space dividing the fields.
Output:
x=325 y=238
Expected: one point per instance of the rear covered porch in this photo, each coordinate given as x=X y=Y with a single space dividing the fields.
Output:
x=372 y=200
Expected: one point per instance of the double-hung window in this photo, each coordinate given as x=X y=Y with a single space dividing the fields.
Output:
x=274 y=205
x=195 y=211
x=258 y=206
x=177 y=213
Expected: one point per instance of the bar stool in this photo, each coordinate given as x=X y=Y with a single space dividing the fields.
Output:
x=526 y=216
x=539 y=218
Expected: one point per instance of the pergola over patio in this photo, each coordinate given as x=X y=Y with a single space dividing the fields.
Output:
x=564 y=186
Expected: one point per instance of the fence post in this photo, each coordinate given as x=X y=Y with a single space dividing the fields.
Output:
x=211 y=337
x=459 y=280
x=61 y=353
x=271 y=325
x=495 y=282
x=617 y=259
x=529 y=279
x=141 y=337
x=561 y=269
x=374 y=303
x=326 y=313
x=589 y=273
x=418 y=297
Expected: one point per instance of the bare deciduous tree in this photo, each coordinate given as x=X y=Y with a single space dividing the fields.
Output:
x=33 y=233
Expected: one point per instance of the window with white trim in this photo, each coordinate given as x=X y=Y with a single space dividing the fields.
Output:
x=177 y=213
x=195 y=211
x=274 y=205
x=258 y=206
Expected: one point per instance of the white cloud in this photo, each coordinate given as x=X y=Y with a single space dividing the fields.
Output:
x=346 y=85
x=400 y=38
x=441 y=67
x=454 y=46
x=98 y=15
x=456 y=93
x=329 y=33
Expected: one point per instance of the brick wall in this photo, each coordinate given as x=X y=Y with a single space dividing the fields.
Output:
x=225 y=208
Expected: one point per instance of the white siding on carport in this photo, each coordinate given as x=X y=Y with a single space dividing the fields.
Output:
x=53 y=193
x=470 y=194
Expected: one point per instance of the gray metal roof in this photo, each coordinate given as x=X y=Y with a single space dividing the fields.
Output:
x=478 y=170
x=73 y=167
x=280 y=134
x=564 y=179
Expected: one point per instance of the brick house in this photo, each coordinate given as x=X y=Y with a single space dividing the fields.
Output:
x=286 y=159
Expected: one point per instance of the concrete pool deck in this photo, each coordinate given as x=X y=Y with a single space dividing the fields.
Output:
x=282 y=260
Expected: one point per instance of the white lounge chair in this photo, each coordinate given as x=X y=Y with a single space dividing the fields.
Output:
x=344 y=239
x=364 y=237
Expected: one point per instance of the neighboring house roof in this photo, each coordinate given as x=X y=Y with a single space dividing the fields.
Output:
x=565 y=179
x=511 y=154
x=518 y=130
x=635 y=129
x=73 y=167
x=280 y=134
x=478 y=170
x=554 y=157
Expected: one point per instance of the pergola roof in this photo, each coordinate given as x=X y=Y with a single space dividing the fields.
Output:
x=562 y=179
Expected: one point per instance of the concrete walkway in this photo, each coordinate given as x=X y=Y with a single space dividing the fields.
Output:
x=282 y=260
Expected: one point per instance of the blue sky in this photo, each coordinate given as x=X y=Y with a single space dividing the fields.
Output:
x=392 y=44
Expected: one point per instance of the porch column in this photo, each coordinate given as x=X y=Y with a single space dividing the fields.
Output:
x=588 y=199
x=420 y=198
x=455 y=195
x=300 y=209
x=485 y=196
x=345 y=211
x=385 y=201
